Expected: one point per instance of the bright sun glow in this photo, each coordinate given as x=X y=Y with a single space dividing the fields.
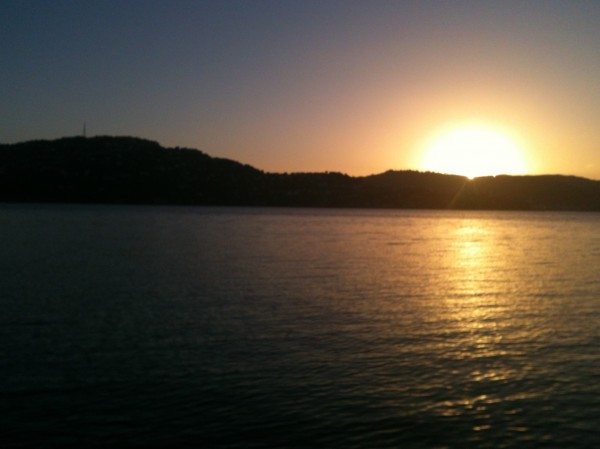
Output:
x=472 y=151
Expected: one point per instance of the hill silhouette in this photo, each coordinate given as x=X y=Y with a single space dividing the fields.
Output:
x=137 y=171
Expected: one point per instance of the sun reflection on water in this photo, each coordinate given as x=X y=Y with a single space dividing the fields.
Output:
x=478 y=302
x=477 y=314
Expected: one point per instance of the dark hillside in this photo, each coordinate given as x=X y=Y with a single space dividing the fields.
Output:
x=133 y=170
x=120 y=170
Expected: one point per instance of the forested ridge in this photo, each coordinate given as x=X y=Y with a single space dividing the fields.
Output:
x=129 y=170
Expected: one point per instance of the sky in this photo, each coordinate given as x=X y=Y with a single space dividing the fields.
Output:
x=357 y=87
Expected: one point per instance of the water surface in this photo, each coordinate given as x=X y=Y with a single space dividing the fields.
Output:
x=298 y=328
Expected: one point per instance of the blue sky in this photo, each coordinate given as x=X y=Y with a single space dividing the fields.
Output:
x=351 y=86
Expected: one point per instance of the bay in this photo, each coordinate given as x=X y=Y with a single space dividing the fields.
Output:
x=256 y=328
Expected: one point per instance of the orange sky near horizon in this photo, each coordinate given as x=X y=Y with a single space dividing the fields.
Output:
x=358 y=87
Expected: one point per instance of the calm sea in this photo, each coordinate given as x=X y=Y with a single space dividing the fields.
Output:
x=295 y=328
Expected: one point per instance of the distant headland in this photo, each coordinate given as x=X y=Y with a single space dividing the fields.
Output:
x=129 y=170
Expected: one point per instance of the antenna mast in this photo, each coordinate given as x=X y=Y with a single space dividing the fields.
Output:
x=84 y=130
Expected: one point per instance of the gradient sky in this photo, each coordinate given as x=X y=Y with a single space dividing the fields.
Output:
x=350 y=86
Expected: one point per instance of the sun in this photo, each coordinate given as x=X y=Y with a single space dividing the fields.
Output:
x=472 y=151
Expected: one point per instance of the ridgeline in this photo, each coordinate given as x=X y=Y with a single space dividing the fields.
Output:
x=128 y=170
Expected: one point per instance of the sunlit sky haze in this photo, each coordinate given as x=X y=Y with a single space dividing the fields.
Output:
x=351 y=86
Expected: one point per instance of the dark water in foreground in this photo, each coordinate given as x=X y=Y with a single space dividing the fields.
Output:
x=249 y=328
